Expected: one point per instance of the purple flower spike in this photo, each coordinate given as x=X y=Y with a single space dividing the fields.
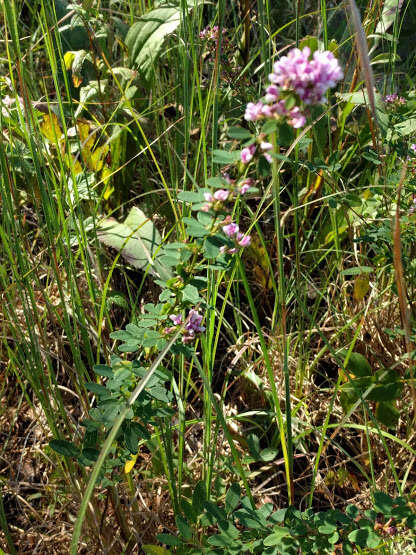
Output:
x=308 y=78
x=176 y=319
x=231 y=229
x=247 y=153
x=221 y=194
x=194 y=322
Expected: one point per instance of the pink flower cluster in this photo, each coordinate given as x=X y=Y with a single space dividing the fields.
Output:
x=232 y=230
x=211 y=33
x=192 y=326
x=214 y=201
x=394 y=100
x=413 y=148
x=249 y=151
x=308 y=78
x=297 y=73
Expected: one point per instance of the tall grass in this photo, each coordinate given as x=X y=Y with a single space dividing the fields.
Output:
x=282 y=313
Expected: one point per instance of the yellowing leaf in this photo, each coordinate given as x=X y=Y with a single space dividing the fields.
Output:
x=86 y=136
x=68 y=59
x=361 y=287
x=97 y=157
x=50 y=127
x=155 y=550
x=129 y=465
x=77 y=80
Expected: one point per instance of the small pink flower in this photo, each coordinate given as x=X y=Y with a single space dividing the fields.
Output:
x=245 y=186
x=194 y=321
x=244 y=240
x=413 y=147
x=266 y=146
x=267 y=111
x=221 y=194
x=208 y=197
x=268 y=157
x=253 y=111
x=231 y=229
x=247 y=153
x=297 y=118
x=272 y=94
x=176 y=319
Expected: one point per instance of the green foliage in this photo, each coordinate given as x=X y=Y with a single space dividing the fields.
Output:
x=242 y=529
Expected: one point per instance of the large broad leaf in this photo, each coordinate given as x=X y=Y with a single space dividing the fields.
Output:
x=138 y=240
x=146 y=37
x=390 y=9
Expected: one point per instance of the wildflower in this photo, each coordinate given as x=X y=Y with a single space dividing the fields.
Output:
x=308 y=78
x=254 y=111
x=211 y=33
x=221 y=194
x=297 y=118
x=231 y=229
x=243 y=240
x=194 y=322
x=176 y=319
x=245 y=186
x=247 y=153
x=413 y=148
x=272 y=94
x=394 y=100
x=266 y=146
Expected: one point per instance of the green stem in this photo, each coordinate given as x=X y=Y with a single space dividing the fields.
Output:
x=271 y=377
x=282 y=302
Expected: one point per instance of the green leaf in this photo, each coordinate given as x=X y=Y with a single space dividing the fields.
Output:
x=239 y=133
x=96 y=388
x=383 y=503
x=145 y=38
x=357 y=364
x=232 y=498
x=279 y=533
x=352 y=511
x=191 y=196
x=212 y=246
x=387 y=414
x=199 y=497
x=190 y=294
x=408 y=127
x=225 y=157
x=411 y=522
x=184 y=529
x=103 y=370
x=137 y=238
x=168 y=539
x=390 y=8
x=65 y=448
x=216 y=512
x=268 y=454
x=364 y=537
x=195 y=228
x=357 y=270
